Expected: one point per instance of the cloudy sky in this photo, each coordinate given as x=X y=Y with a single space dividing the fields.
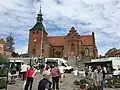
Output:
x=100 y=16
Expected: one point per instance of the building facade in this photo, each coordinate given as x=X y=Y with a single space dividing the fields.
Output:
x=73 y=44
x=113 y=53
x=3 y=50
x=2 y=46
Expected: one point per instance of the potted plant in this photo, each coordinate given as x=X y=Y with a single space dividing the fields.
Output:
x=76 y=82
x=83 y=84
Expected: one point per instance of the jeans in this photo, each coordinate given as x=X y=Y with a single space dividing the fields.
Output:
x=55 y=81
x=103 y=84
x=29 y=83
x=98 y=88
x=23 y=75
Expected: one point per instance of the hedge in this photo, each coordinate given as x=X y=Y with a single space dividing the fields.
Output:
x=3 y=83
x=3 y=71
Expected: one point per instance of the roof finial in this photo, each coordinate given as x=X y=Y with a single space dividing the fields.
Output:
x=40 y=12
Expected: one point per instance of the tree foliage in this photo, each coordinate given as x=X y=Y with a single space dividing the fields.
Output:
x=4 y=65
x=10 y=42
x=3 y=59
x=14 y=54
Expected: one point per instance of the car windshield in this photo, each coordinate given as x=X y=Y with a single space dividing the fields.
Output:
x=67 y=64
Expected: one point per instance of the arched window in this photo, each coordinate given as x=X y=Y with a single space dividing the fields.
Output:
x=33 y=33
x=33 y=51
x=37 y=32
x=86 y=51
x=72 y=47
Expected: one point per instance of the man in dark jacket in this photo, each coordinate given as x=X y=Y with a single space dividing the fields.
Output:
x=44 y=84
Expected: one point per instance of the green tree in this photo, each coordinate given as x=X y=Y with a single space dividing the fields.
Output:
x=4 y=65
x=14 y=54
x=10 y=42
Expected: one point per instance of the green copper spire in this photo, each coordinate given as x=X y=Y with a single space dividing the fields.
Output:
x=39 y=23
x=39 y=18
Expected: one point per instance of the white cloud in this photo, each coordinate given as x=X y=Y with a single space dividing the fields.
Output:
x=100 y=16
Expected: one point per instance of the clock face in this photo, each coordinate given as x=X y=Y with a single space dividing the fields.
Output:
x=34 y=40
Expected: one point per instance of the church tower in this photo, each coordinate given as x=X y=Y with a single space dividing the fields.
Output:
x=37 y=38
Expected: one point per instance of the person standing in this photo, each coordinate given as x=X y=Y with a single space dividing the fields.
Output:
x=29 y=78
x=90 y=72
x=86 y=71
x=98 y=78
x=62 y=76
x=23 y=70
x=104 y=75
x=47 y=71
x=55 y=76
x=44 y=84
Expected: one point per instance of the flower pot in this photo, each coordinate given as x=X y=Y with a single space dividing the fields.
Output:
x=83 y=86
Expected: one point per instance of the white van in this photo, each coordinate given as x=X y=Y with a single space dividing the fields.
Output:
x=61 y=63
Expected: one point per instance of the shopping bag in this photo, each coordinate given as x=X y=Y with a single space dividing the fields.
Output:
x=24 y=84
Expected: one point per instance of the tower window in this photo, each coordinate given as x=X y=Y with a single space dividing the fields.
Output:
x=33 y=33
x=34 y=51
x=37 y=32
x=86 y=51
x=72 y=47
x=42 y=50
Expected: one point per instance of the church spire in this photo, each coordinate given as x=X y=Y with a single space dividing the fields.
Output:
x=39 y=17
x=39 y=24
x=40 y=12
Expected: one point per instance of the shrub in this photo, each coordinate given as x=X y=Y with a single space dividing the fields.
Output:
x=114 y=81
x=3 y=59
x=3 y=71
x=83 y=81
x=3 y=83
x=76 y=82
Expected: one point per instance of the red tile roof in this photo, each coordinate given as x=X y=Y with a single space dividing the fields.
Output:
x=60 y=41
x=87 y=39
x=118 y=52
x=56 y=40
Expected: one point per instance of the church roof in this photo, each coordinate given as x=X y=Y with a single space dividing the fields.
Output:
x=87 y=39
x=39 y=24
x=56 y=40
x=60 y=40
x=113 y=50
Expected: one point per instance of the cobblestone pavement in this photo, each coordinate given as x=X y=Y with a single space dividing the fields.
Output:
x=67 y=84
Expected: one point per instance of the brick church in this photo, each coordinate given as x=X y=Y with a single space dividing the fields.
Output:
x=73 y=44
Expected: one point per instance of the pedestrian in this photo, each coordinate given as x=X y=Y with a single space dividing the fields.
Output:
x=23 y=71
x=29 y=78
x=98 y=78
x=42 y=68
x=90 y=72
x=44 y=84
x=55 y=76
x=86 y=71
x=62 y=76
x=47 y=71
x=104 y=75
